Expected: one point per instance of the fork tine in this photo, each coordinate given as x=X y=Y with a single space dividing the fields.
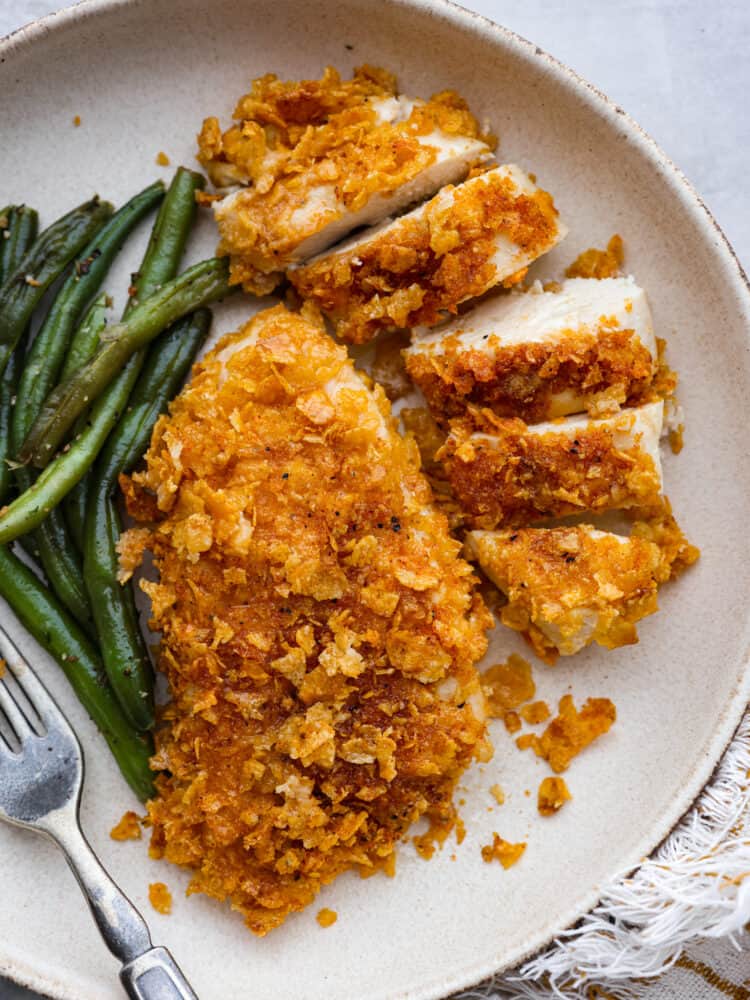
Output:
x=13 y=713
x=26 y=679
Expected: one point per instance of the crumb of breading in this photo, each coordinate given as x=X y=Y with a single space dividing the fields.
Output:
x=326 y=917
x=536 y=712
x=162 y=159
x=128 y=828
x=571 y=731
x=160 y=897
x=498 y=794
x=507 y=685
x=76 y=120
x=593 y=263
x=552 y=796
x=503 y=851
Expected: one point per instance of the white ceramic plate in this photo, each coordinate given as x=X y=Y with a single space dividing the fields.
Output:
x=142 y=75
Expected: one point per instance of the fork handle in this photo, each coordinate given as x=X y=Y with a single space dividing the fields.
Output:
x=155 y=975
x=148 y=973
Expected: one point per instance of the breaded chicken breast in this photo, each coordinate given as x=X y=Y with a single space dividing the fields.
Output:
x=423 y=265
x=312 y=160
x=505 y=472
x=319 y=628
x=586 y=346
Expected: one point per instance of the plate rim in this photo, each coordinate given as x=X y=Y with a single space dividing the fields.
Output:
x=597 y=102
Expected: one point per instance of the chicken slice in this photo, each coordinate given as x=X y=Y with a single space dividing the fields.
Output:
x=421 y=266
x=539 y=355
x=318 y=158
x=319 y=627
x=569 y=587
x=516 y=473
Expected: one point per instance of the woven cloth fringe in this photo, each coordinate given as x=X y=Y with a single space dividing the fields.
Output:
x=695 y=886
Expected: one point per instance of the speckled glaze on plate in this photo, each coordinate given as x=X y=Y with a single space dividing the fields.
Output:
x=142 y=75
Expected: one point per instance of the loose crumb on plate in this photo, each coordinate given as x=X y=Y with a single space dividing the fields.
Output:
x=128 y=828
x=593 y=263
x=498 y=794
x=503 y=851
x=676 y=439
x=552 y=796
x=326 y=917
x=571 y=731
x=162 y=159
x=77 y=120
x=160 y=897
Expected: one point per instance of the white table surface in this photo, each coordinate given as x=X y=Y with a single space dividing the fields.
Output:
x=680 y=67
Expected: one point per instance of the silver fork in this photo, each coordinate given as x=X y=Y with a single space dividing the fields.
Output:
x=41 y=774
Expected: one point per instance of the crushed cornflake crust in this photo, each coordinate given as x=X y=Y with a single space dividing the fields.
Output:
x=571 y=586
x=509 y=473
x=128 y=827
x=543 y=353
x=314 y=159
x=503 y=851
x=319 y=628
x=326 y=917
x=571 y=731
x=160 y=897
x=419 y=268
x=593 y=263
x=552 y=795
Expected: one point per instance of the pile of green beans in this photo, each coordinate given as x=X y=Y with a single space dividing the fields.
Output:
x=105 y=385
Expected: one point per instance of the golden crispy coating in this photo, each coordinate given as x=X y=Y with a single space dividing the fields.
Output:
x=313 y=152
x=604 y=367
x=422 y=266
x=319 y=629
x=568 y=587
x=514 y=474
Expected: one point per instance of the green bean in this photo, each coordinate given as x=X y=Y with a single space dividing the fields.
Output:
x=167 y=365
x=56 y=632
x=45 y=260
x=83 y=346
x=85 y=340
x=125 y=656
x=69 y=467
x=198 y=286
x=45 y=357
x=18 y=233
x=166 y=246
